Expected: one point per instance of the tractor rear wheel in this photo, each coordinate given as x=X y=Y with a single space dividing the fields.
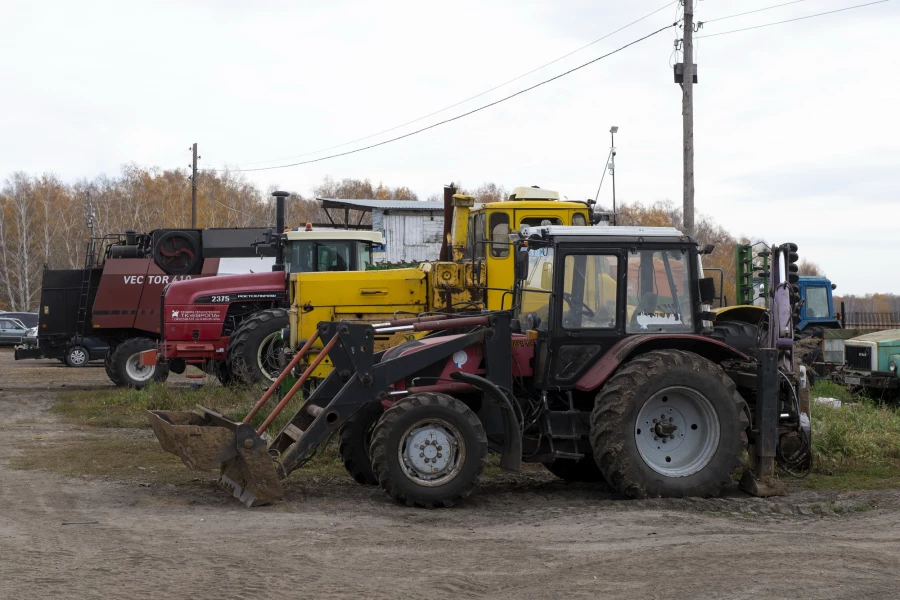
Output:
x=669 y=423
x=429 y=450
x=254 y=352
x=355 y=437
x=584 y=470
x=126 y=362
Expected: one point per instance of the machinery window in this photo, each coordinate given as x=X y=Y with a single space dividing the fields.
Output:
x=817 y=303
x=659 y=292
x=589 y=291
x=310 y=257
x=537 y=286
x=499 y=235
x=479 y=236
x=538 y=221
x=363 y=255
x=578 y=220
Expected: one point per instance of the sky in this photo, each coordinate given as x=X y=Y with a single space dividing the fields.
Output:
x=797 y=134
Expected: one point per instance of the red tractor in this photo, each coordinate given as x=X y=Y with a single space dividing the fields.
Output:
x=604 y=370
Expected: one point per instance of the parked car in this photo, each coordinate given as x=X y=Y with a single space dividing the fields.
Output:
x=30 y=319
x=12 y=331
x=78 y=355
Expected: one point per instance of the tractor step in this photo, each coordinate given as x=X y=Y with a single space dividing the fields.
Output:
x=569 y=455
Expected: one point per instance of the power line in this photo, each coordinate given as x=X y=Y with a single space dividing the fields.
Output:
x=446 y=108
x=254 y=217
x=830 y=12
x=750 y=12
x=456 y=118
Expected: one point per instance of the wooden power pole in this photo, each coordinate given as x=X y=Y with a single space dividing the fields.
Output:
x=194 y=189
x=687 y=113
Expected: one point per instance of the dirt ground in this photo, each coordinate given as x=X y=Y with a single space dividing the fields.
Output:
x=520 y=537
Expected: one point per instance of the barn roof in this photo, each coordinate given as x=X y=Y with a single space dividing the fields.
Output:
x=369 y=205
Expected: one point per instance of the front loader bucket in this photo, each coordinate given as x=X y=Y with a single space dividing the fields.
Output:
x=205 y=441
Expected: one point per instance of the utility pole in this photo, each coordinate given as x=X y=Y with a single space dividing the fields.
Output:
x=687 y=113
x=612 y=165
x=194 y=189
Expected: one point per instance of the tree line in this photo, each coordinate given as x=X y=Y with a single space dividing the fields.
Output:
x=43 y=220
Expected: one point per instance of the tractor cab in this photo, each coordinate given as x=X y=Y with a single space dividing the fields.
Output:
x=316 y=251
x=584 y=289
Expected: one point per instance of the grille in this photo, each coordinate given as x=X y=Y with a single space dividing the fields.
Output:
x=859 y=357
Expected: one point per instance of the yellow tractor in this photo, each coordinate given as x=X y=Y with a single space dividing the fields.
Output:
x=478 y=272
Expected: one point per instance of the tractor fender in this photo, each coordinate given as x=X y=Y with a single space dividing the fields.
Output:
x=511 y=458
x=629 y=347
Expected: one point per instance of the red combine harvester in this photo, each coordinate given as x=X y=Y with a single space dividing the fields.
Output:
x=233 y=326
x=115 y=298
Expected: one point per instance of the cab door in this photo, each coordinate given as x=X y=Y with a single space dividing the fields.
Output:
x=586 y=312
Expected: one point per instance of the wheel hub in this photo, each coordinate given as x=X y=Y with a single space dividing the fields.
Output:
x=430 y=453
x=136 y=370
x=677 y=431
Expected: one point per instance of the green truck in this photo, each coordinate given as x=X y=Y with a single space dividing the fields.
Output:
x=871 y=362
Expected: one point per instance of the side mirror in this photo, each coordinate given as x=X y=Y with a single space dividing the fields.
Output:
x=522 y=264
x=707 y=290
x=834 y=286
x=547 y=276
x=708 y=249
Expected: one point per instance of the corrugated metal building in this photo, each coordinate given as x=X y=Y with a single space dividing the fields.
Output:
x=412 y=230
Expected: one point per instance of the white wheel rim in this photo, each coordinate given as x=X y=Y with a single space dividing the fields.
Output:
x=431 y=452
x=677 y=431
x=136 y=371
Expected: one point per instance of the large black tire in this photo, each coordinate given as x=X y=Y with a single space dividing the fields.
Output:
x=110 y=368
x=649 y=381
x=77 y=356
x=740 y=335
x=126 y=364
x=584 y=470
x=354 y=441
x=254 y=342
x=414 y=416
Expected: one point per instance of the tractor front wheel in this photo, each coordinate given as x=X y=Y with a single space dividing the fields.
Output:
x=669 y=423
x=429 y=450
x=126 y=363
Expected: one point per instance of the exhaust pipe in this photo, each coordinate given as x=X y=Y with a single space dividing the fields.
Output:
x=279 y=229
x=449 y=190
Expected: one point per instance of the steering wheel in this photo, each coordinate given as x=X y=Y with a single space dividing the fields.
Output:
x=583 y=309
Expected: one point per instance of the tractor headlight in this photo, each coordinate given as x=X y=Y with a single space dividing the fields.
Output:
x=893 y=367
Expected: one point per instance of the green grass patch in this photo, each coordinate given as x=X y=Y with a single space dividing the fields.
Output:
x=124 y=407
x=856 y=446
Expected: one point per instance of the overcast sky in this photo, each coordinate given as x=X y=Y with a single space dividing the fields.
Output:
x=796 y=125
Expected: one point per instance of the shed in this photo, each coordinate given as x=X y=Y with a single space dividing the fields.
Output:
x=412 y=230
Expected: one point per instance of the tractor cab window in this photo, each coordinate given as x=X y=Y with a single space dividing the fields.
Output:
x=479 y=236
x=578 y=220
x=589 y=291
x=499 y=235
x=312 y=257
x=537 y=286
x=817 y=303
x=538 y=221
x=659 y=292
x=363 y=255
